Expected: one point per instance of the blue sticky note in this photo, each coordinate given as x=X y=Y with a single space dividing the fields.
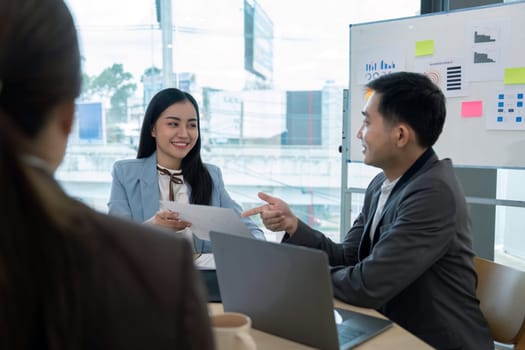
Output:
x=520 y=104
x=500 y=119
x=518 y=119
x=501 y=96
x=500 y=104
x=520 y=96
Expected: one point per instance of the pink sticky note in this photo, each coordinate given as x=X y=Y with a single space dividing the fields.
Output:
x=471 y=109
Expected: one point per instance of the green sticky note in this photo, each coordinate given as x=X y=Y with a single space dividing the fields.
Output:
x=424 y=47
x=514 y=76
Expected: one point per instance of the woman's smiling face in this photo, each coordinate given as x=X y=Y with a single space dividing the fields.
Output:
x=176 y=132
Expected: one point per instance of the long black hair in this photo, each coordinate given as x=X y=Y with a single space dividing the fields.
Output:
x=193 y=169
x=40 y=249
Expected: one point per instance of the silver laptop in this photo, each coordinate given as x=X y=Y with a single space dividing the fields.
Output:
x=287 y=291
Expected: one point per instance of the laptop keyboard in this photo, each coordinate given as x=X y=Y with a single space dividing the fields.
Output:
x=347 y=334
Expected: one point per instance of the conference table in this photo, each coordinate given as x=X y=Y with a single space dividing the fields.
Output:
x=395 y=337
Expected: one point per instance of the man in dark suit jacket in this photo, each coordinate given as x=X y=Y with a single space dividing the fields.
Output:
x=408 y=254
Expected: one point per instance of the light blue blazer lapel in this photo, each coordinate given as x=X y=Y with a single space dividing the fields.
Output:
x=149 y=187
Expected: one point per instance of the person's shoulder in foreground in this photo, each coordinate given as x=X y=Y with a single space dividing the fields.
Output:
x=146 y=291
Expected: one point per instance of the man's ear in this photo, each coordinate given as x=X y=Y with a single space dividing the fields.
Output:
x=403 y=134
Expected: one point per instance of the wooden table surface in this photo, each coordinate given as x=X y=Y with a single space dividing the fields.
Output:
x=393 y=338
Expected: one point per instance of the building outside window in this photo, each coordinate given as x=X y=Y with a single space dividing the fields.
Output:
x=269 y=78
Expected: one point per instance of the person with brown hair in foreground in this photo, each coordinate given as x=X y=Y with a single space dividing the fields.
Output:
x=72 y=278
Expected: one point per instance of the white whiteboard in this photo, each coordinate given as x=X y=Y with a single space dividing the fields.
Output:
x=477 y=56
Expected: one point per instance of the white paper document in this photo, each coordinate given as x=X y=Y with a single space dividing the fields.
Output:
x=205 y=218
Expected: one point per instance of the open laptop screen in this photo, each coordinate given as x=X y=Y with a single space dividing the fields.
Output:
x=285 y=289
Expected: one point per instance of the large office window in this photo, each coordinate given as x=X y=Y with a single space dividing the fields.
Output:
x=268 y=76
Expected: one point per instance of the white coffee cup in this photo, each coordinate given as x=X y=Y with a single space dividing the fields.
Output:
x=231 y=331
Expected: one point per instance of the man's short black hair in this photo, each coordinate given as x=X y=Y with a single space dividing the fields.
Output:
x=414 y=99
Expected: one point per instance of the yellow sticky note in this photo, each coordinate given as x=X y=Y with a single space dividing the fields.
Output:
x=424 y=47
x=514 y=76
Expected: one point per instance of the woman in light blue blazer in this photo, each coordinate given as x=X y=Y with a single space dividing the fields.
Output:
x=169 y=167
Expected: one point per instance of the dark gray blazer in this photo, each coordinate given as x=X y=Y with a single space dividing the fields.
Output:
x=418 y=271
x=136 y=286
x=142 y=289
